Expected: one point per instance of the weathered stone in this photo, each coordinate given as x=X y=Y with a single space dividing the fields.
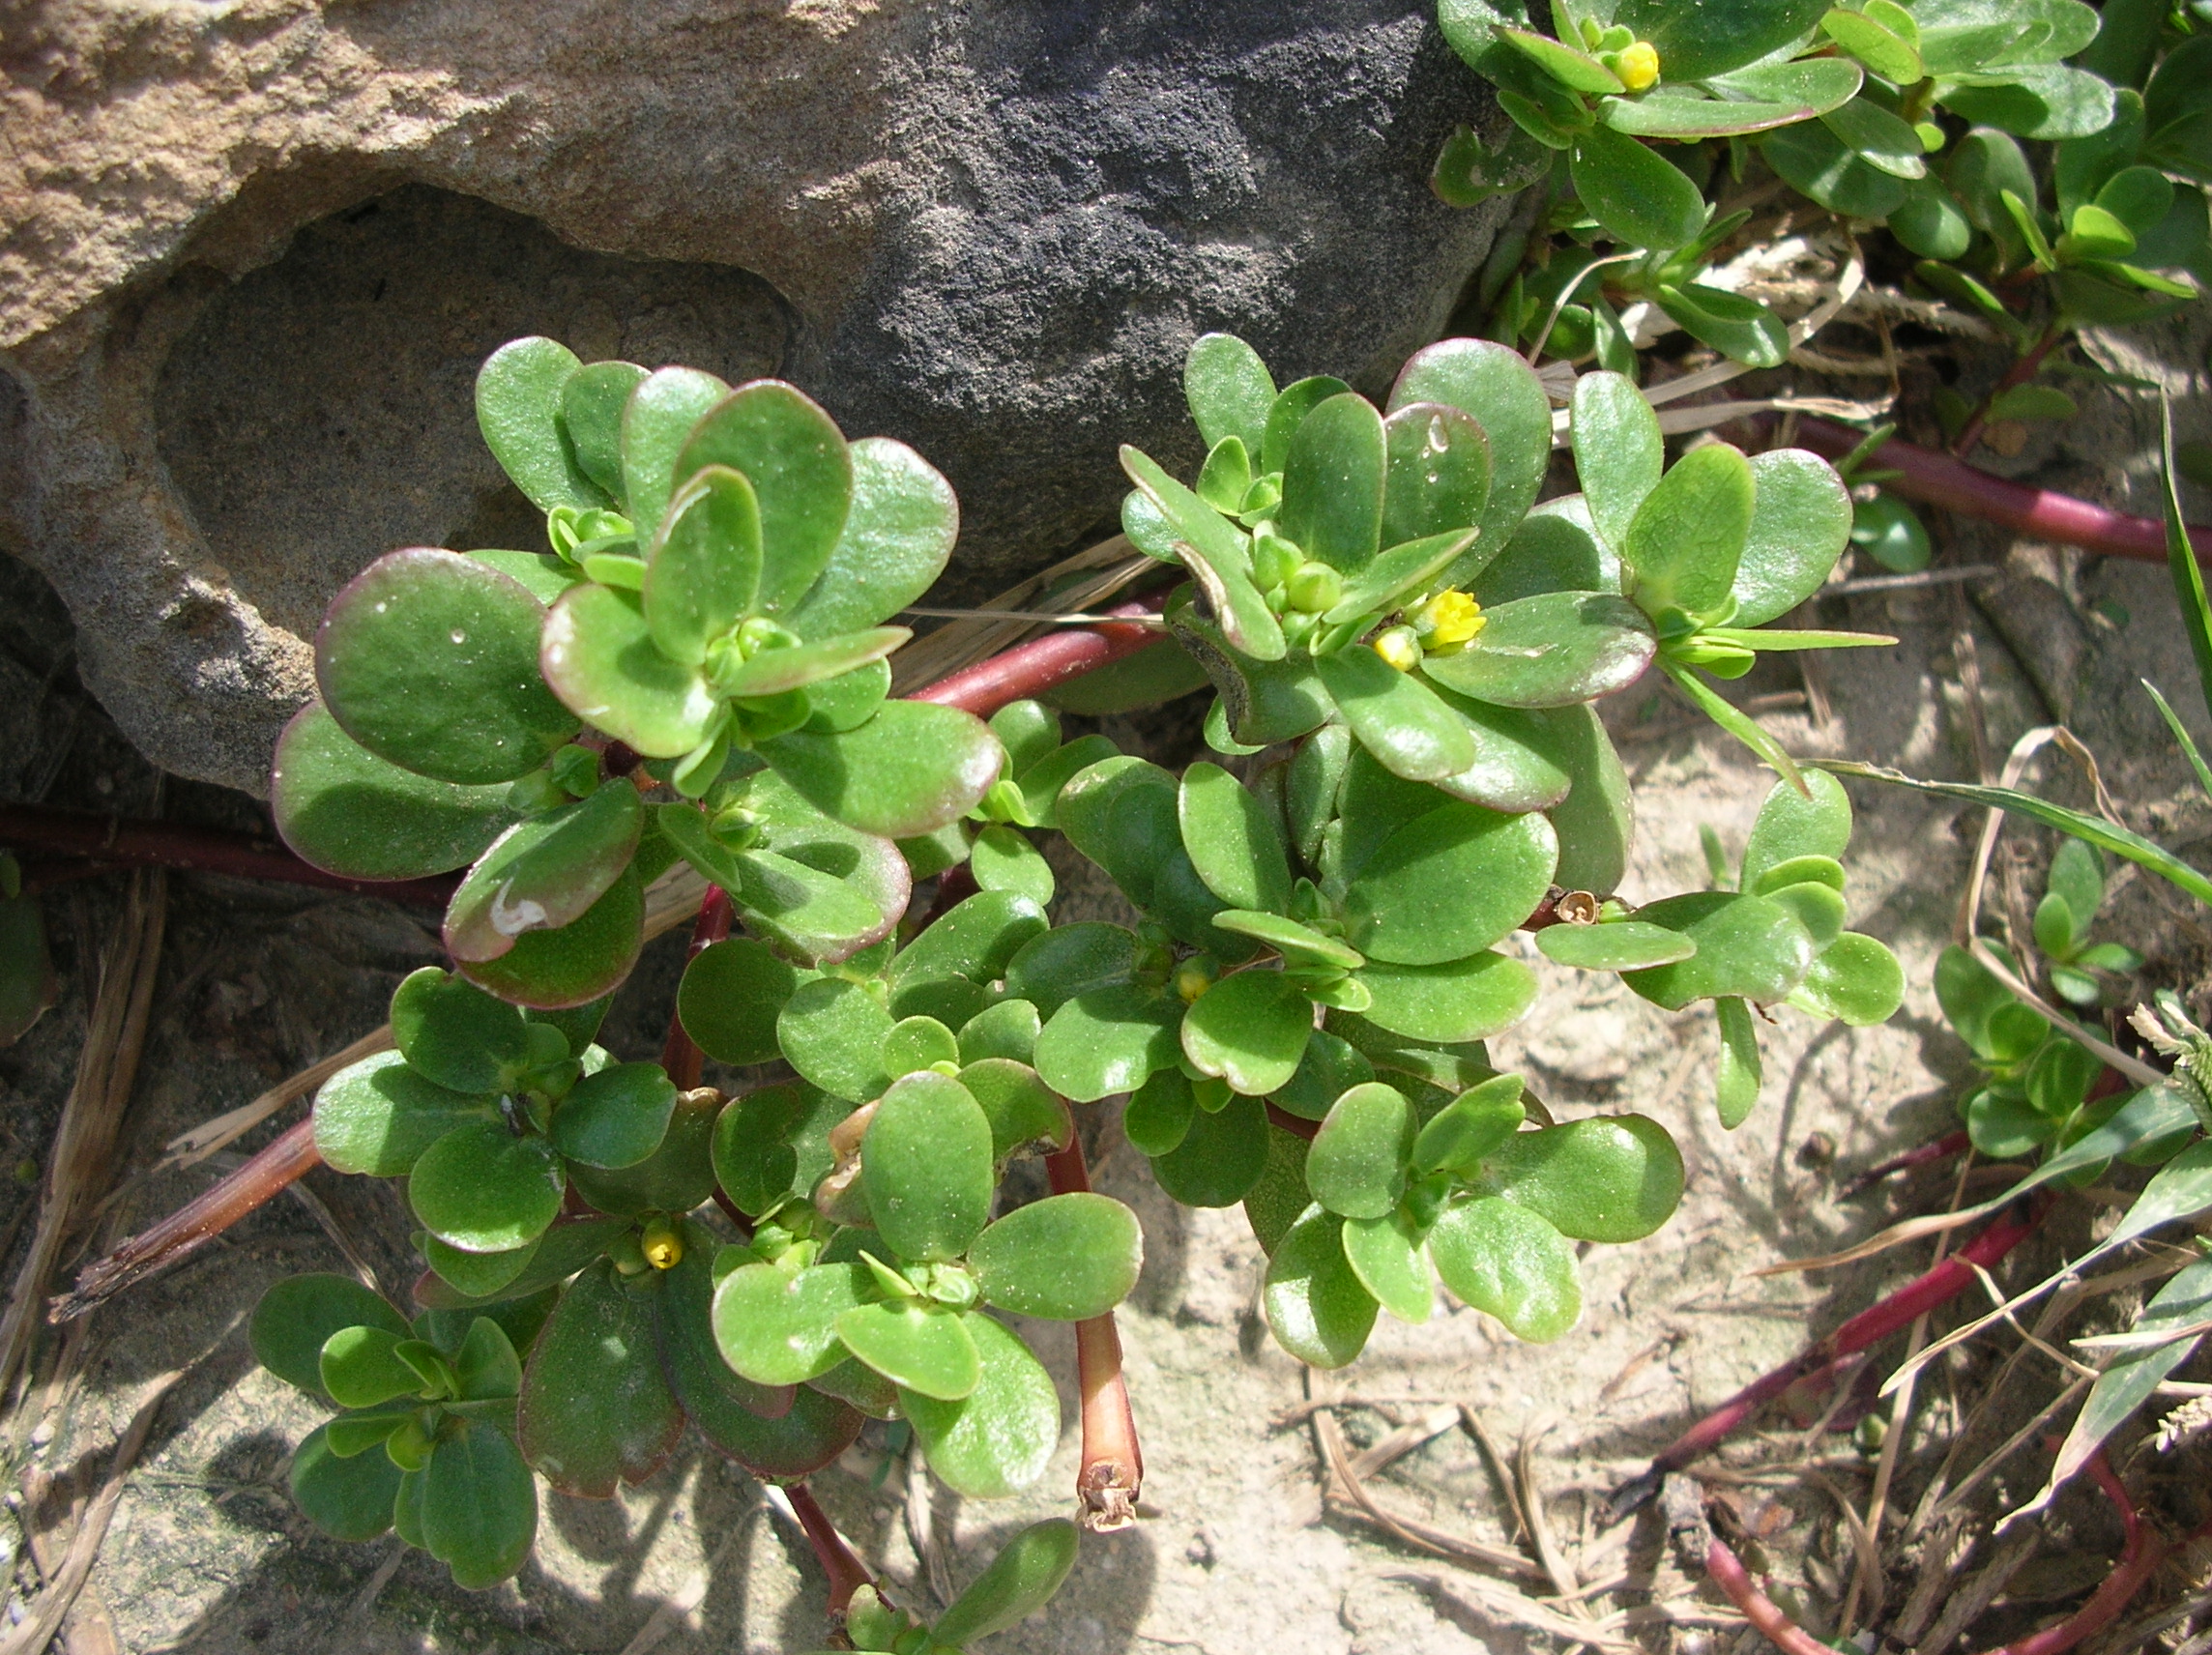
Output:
x=255 y=249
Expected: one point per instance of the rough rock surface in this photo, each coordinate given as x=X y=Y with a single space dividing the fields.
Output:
x=253 y=249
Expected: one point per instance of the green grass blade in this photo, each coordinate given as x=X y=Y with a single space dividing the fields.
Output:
x=1737 y=722
x=2182 y=735
x=2094 y=829
x=2181 y=559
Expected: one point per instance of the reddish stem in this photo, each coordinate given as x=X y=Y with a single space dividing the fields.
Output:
x=263 y=1178
x=1113 y=1469
x=1292 y=1123
x=955 y=886
x=1892 y=1314
x=194 y=850
x=1938 y=479
x=2020 y=373
x=1043 y=662
x=680 y=1053
x=847 y=1573
x=1941 y=1149
x=2139 y=1558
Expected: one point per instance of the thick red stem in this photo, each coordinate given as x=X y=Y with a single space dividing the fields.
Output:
x=1941 y=1149
x=1113 y=1469
x=2139 y=1558
x=1039 y=665
x=263 y=1178
x=1893 y=1315
x=194 y=850
x=680 y=1053
x=1937 y=479
x=1292 y=1123
x=847 y=1573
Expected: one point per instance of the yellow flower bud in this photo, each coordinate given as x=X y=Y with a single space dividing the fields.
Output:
x=1450 y=618
x=663 y=1246
x=1638 y=66
x=1400 y=648
x=1193 y=978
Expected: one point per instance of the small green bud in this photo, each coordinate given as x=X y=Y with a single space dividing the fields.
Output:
x=409 y=1447
x=627 y=1253
x=1275 y=560
x=576 y=769
x=1313 y=588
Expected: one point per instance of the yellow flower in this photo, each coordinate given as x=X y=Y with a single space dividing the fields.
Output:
x=664 y=1247
x=1449 y=618
x=1638 y=66
x=1400 y=648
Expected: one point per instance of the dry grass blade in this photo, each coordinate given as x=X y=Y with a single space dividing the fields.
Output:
x=1494 y=1602
x=1565 y=1581
x=1979 y=1592
x=189 y=1148
x=1413 y=1531
x=45 y=1619
x=83 y=1153
x=963 y=642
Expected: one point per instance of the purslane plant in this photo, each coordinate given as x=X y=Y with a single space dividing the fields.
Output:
x=695 y=672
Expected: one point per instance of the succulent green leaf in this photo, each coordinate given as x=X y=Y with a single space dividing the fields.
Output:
x=1356 y=1166
x=1816 y=163
x=1004 y=859
x=779 y=1327
x=1855 y=979
x=544 y=873
x=1007 y=1029
x=478 y=1275
x=1735 y=325
x=1437 y=473
x=775 y=672
x=1469 y=998
x=978 y=939
x=998 y=1439
x=1607 y=1178
x=1230 y=391
x=483 y=1190
x=1067 y=1257
x=347 y=1498
x=909 y=770
x=1106 y=1040
x=1333 y=470
x=896 y=540
x=1506 y=1262
x=1740 y=1074
x=1800 y=525
x=349 y=812
x=656 y=421
x=576 y=964
x=429 y=661
x=1501 y=391
x=1026 y=1115
x=801 y=470
x=1273 y=1204
x=1315 y=1303
x=1619 y=452
x=1596 y=822
x=1056 y=966
x=596 y=1411
x=704 y=574
x=1408 y=567
x=1814 y=822
x=455 y=1035
x=922 y=1349
x=1448 y=884
x=1615 y=946
x=1025 y=1574
x=592 y=403
x=1386 y=1253
x=1396 y=718
x=1233 y=841
x=730 y=998
x=1636 y=196
x=1747 y=947
x=599 y=654
x=377 y=1116
x=1160 y=1112
x=518 y=411
x=833 y=1033
x=299 y=1315
x=1218 y=542
x=1688 y=537
x=2045 y=101
x=806 y=910
x=1457 y=1135
x=361 y=1368
x=926 y=1161
x=1297 y=944
x=1221 y=1156
x=1288 y=411
x=616 y=1118
x=1250 y=1030
x=1890 y=56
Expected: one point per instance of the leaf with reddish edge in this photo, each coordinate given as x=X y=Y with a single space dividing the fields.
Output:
x=799 y=467
x=518 y=411
x=707 y=1387
x=596 y=1411
x=1501 y=391
x=544 y=873
x=771 y=672
x=348 y=812
x=897 y=538
x=704 y=571
x=1332 y=483
x=908 y=772
x=599 y=656
x=655 y=423
x=576 y=964
x=1553 y=649
x=429 y=659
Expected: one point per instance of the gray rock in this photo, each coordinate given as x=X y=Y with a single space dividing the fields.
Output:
x=263 y=249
